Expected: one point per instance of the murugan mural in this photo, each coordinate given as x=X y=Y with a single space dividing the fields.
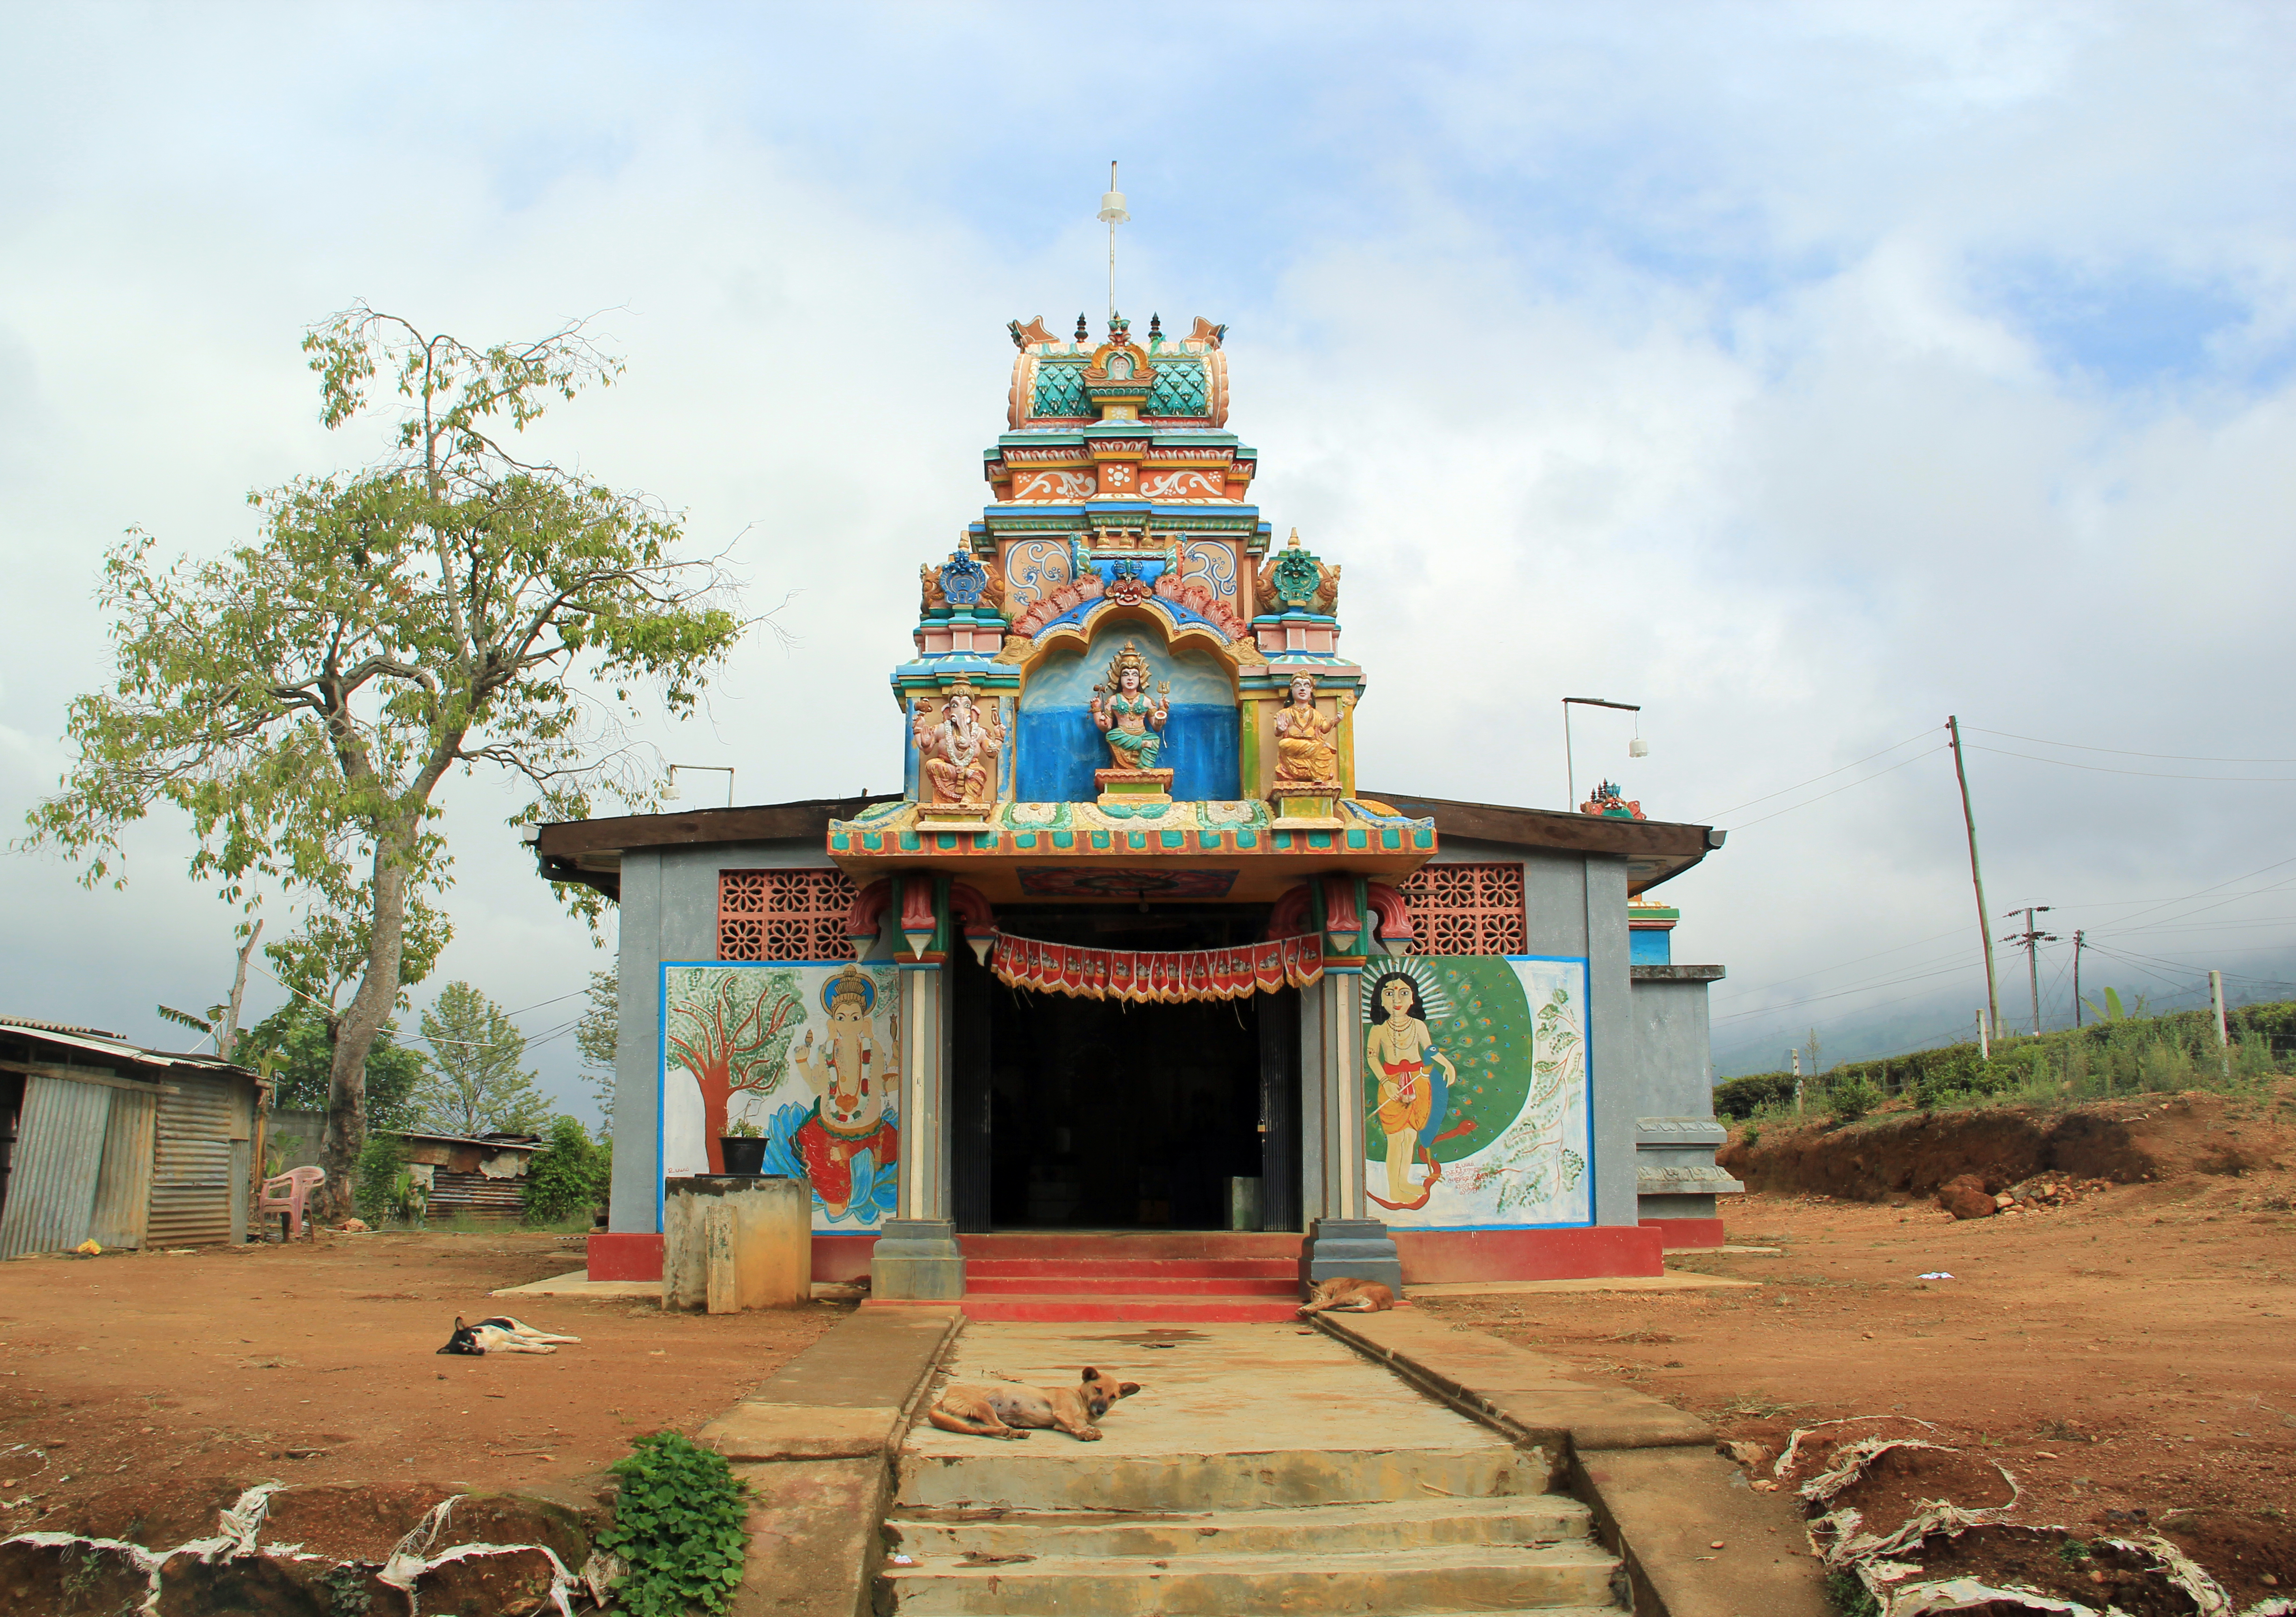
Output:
x=1475 y=1091
x=806 y=1055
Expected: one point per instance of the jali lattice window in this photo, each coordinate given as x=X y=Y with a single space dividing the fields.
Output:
x=784 y=915
x=1465 y=909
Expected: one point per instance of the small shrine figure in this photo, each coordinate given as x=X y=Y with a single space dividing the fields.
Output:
x=1303 y=756
x=1606 y=802
x=1127 y=715
x=957 y=757
x=848 y=1108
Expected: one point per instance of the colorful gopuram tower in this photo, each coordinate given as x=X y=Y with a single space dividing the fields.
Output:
x=1131 y=970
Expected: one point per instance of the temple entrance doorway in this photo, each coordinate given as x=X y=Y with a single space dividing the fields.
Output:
x=1087 y=1114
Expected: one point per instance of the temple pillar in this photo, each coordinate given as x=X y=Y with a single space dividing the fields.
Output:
x=917 y=1258
x=1342 y=1241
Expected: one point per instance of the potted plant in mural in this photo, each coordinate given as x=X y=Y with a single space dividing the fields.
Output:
x=733 y=1036
x=742 y=1147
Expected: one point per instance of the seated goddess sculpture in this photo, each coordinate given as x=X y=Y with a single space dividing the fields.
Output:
x=1303 y=756
x=957 y=757
x=1127 y=715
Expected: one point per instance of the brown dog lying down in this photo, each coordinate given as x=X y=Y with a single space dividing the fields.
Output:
x=1348 y=1295
x=998 y=1408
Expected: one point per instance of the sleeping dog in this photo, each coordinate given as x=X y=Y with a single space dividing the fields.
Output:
x=1347 y=1294
x=500 y=1335
x=1000 y=1408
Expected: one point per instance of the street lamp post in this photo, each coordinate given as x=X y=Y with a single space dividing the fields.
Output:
x=1636 y=748
x=671 y=791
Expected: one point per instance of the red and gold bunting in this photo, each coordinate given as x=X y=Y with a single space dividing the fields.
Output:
x=1158 y=977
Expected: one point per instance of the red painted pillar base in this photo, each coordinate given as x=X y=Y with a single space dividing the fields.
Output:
x=1687 y=1232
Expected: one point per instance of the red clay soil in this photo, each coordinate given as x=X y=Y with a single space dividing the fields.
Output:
x=2127 y=1356
x=197 y=1375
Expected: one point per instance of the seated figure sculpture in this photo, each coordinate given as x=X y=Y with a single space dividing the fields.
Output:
x=1130 y=719
x=957 y=757
x=1304 y=757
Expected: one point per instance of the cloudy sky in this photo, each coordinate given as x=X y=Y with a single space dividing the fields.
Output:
x=1805 y=374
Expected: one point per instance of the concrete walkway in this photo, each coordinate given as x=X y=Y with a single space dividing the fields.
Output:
x=1261 y=1468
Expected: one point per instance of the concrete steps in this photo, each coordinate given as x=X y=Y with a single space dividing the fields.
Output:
x=1048 y=1527
x=1516 y=1519
x=1046 y=1472
x=1429 y=1578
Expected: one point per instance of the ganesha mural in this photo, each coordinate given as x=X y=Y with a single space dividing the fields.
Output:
x=1475 y=1108
x=806 y=1054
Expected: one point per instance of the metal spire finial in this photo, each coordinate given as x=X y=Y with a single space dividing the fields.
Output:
x=1111 y=209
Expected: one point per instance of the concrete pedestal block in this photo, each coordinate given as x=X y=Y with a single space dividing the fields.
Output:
x=1359 y=1248
x=917 y=1260
x=737 y=1241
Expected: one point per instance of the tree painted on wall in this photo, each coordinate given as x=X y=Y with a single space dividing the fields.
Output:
x=731 y=1031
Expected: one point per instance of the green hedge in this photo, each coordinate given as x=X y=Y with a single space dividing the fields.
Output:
x=2119 y=1057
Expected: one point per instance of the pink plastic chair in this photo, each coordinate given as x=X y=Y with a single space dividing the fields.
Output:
x=296 y=1184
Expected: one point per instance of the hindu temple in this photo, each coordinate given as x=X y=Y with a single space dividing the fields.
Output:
x=1134 y=1002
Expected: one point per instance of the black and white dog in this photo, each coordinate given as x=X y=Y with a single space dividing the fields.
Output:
x=501 y=1334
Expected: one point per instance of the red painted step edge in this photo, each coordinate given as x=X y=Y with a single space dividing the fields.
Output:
x=1162 y=1268
x=1169 y=1310
x=1126 y=1285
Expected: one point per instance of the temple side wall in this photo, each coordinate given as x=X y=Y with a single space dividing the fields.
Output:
x=668 y=913
x=1676 y=1135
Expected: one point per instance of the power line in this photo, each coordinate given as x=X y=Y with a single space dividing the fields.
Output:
x=1822 y=796
x=2180 y=758
x=2157 y=774
x=1813 y=779
x=1841 y=965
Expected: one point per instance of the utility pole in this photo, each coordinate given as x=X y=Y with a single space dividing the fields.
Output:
x=1984 y=925
x=2224 y=1042
x=2032 y=940
x=2077 y=936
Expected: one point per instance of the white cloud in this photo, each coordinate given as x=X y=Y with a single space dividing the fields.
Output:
x=1669 y=367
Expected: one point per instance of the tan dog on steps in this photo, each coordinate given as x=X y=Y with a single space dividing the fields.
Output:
x=1000 y=1408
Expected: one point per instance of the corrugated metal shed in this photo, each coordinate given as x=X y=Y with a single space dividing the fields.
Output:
x=52 y=1177
x=123 y=1184
x=190 y=1173
x=151 y=1144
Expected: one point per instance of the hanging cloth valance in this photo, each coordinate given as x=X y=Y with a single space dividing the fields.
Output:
x=1146 y=977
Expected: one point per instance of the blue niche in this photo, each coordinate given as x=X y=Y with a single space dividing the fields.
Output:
x=1060 y=747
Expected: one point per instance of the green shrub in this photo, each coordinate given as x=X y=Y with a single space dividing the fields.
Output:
x=1854 y=1098
x=676 y=1528
x=1741 y=1097
x=568 y=1177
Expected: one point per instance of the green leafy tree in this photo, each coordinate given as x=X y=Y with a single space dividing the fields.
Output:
x=471 y=1082
x=303 y=698
x=595 y=1035
x=296 y=1042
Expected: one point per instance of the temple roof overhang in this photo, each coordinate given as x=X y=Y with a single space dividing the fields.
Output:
x=1197 y=850
x=589 y=852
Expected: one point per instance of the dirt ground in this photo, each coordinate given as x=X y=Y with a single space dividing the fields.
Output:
x=2129 y=1358
x=222 y=1368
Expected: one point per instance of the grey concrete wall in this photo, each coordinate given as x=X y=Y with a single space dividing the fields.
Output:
x=1673 y=1048
x=1617 y=1082
x=668 y=913
x=1674 y=1133
x=1576 y=904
